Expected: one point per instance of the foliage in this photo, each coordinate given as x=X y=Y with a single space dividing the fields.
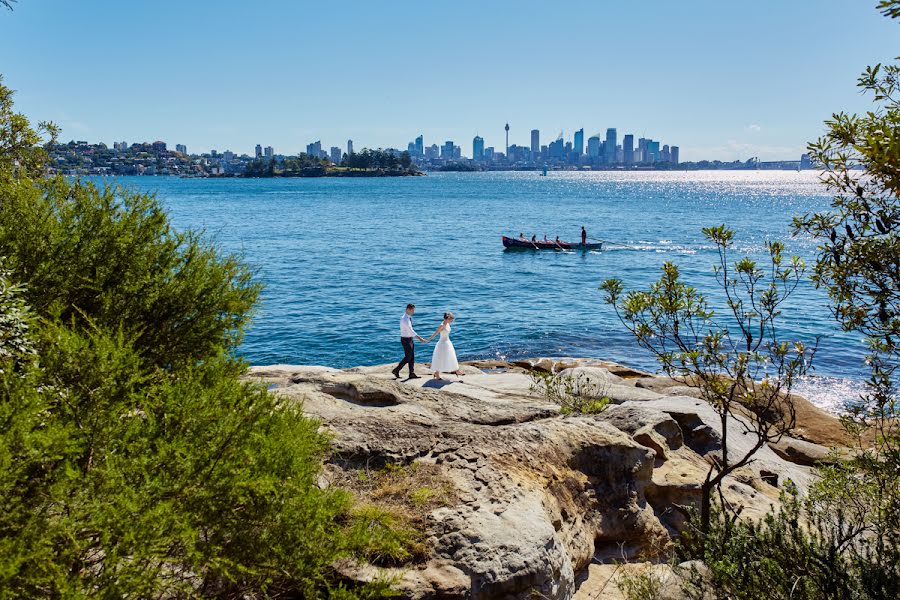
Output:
x=575 y=394
x=16 y=347
x=804 y=549
x=859 y=265
x=110 y=257
x=740 y=367
x=377 y=159
x=644 y=584
x=20 y=153
x=133 y=461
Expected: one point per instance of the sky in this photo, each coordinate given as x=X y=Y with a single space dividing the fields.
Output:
x=720 y=79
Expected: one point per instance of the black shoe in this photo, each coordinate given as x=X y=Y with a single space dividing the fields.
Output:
x=395 y=373
x=413 y=376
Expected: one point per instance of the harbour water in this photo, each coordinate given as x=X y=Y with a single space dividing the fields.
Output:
x=340 y=259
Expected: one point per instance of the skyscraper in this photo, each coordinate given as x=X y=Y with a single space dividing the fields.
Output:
x=673 y=155
x=578 y=147
x=652 y=151
x=269 y=152
x=181 y=148
x=336 y=155
x=664 y=155
x=535 y=142
x=628 y=149
x=642 y=150
x=478 y=148
x=258 y=151
x=349 y=146
x=447 y=150
x=420 y=146
x=594 y=147
x=611 y=146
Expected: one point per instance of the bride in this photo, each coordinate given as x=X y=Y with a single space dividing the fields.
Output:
x=444 y=357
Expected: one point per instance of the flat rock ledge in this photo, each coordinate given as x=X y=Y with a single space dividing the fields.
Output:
x=541 y=502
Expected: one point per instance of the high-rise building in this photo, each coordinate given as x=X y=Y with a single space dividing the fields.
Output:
x=432 y=152
x=628 y=149
x=269 y=152
x=489 y=154
x=349 y=146
x=181 y=148
x=558 y=149
x=578 y=148
x=642 y=150
x=478 y=148
x=258 y=151
x=336 y=155
x=228 y=156
x=535 y=141
x=420 y=146
x=805 y=160
x=159 y=146
x=664 y=154
x=594 y=147
x=611 y=145
x=652 y=151
x=673 y=155
x=447 y=150
x=315 y=149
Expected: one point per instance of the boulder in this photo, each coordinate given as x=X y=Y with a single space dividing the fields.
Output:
x=801 y=452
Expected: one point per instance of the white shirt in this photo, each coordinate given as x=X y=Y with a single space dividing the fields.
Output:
x=406 y=328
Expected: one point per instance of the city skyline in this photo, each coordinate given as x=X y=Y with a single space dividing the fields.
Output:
x=725 y=81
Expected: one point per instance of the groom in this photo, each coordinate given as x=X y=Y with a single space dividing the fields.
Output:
x=407 y=333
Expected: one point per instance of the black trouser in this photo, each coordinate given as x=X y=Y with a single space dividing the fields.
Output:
x=409 y=355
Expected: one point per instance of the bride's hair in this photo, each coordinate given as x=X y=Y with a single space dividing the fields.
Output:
x=448 y=315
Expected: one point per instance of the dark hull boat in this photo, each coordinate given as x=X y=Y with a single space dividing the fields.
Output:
x=517 y=244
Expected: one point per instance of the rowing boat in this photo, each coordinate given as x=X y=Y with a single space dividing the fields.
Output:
x=517 y=244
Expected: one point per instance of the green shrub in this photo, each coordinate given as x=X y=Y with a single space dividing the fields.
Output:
x=576 y=394
x=109 y=257
x=134 y=463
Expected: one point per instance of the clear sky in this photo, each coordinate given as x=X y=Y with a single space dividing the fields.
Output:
x=719 y=78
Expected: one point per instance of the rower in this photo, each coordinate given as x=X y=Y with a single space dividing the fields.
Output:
x=557 y=240
x=522 y=236
x=583 y=236
x=546 y=239
x=534 y=238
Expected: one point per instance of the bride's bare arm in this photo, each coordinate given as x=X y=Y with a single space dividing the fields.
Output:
x=436 y=331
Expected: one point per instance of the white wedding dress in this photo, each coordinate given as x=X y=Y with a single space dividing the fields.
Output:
x=444 y=357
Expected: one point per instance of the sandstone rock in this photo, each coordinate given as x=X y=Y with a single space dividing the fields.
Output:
x=801 y=452
x=538 y=498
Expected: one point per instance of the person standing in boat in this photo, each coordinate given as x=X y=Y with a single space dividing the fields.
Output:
x=444 y=356
x=583 y=236
x=408 y=338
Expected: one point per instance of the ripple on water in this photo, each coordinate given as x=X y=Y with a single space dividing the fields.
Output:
x=341 y=258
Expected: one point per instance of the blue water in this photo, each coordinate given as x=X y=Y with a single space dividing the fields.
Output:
x=340 y=258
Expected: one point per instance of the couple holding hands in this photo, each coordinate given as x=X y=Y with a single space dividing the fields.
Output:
x=444 y=357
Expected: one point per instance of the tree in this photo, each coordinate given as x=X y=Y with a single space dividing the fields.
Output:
x=859 y=265
x=20 y=151
x=742 y=368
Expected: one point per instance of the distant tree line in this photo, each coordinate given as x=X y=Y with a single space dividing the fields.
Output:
x=377 y=159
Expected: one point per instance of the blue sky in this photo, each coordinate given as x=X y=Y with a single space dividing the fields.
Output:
x=720 y=79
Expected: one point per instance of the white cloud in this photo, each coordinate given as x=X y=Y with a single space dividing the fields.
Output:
x=753 y=128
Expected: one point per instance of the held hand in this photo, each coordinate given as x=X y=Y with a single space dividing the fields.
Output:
x=421 y=339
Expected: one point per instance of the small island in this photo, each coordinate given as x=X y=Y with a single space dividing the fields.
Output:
x=367 y=163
